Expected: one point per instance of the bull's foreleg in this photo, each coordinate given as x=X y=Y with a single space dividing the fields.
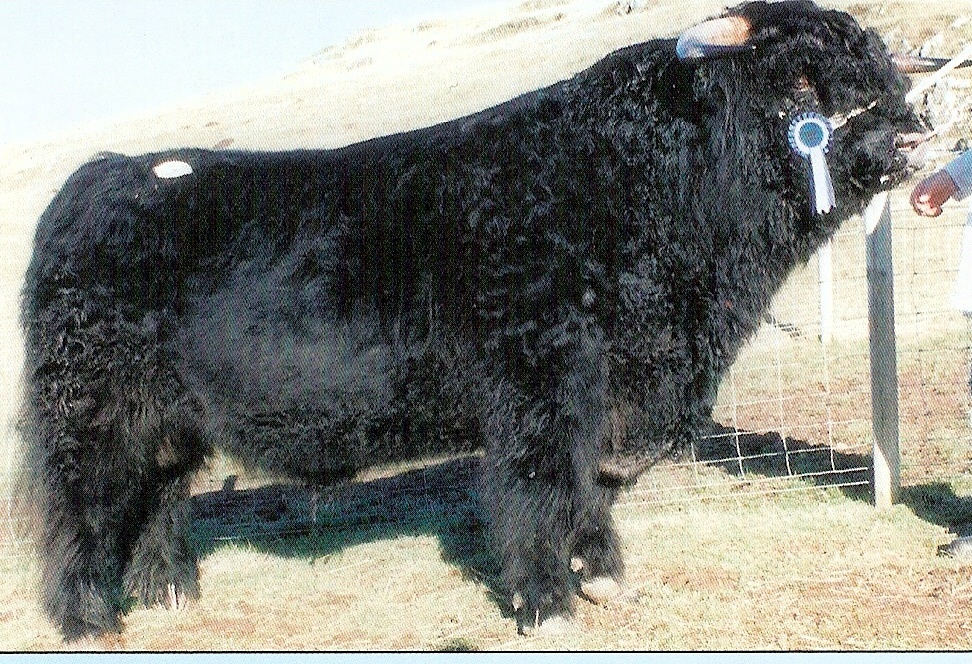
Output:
x=545 y=506
x=530 y=534
x=596 y=549
x=596 y=552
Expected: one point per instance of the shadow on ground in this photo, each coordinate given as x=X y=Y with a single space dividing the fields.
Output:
x=440 y=501
x=296 y=521
x=766 y=455
x=936 y=502
x=742 y=453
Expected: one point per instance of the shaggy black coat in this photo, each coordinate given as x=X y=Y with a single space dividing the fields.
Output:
x=561 y=280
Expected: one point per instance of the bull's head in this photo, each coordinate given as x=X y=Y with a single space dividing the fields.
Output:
x=809 y=59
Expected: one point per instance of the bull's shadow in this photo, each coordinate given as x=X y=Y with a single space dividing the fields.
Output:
x=748 y=454
x=288 y=520
x=440 y=500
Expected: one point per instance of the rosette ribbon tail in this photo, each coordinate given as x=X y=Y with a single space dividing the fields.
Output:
x=823 y=186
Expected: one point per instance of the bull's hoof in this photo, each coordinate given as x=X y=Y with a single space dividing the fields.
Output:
x=173 y=595
x=86 y=633
x=178 y=599
x=87 y=643
x=552 y=626
x=601 y=590
x=532 y=621
x=960 y=547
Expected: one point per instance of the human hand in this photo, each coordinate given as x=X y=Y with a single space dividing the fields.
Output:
x=931 y=193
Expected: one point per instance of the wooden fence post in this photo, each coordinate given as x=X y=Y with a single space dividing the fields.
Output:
x=825 y=281
x=884 y=363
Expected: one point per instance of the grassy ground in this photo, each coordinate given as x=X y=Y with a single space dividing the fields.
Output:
x=808 y=570
x=400 y=560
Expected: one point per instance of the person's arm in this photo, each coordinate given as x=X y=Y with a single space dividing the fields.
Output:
x=960 y=170
x=954 y=180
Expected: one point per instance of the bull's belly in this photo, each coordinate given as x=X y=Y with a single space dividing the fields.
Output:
x=321 y=399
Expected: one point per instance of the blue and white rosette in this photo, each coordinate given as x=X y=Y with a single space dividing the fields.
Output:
x=810 y=136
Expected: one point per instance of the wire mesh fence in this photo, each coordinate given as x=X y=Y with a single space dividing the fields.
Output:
x=794 y=413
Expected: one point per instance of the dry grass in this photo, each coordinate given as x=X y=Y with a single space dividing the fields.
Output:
x=400 y=561
x=804 y=571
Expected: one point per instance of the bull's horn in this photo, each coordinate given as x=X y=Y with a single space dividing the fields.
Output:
x=916 y=64
x=716 y=37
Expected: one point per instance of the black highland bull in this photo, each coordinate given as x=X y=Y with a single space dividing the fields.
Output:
x=560 y=280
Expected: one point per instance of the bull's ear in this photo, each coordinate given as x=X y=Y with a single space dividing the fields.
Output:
x=719 y=36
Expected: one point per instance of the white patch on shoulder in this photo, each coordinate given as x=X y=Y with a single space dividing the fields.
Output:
x=168 y=170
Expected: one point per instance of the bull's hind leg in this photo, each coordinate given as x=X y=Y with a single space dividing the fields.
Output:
x=113 y=526
x=162 y=569
x=100 y=408
x=82 y=544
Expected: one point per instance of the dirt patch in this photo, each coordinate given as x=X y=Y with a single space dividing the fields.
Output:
x=927 y=609
x=704 y=580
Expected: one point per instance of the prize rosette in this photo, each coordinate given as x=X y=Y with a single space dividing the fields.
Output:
x=810 y=137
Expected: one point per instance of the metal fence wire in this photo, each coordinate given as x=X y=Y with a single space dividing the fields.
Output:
x=795 y=410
